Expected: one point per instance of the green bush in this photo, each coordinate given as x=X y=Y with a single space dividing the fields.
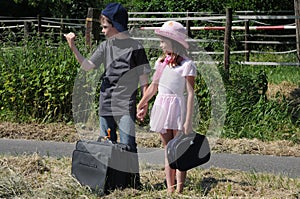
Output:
x=36 y=80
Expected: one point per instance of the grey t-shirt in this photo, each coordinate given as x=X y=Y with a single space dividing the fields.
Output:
x=124 y=60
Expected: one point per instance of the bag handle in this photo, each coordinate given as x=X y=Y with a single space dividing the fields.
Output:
x=107 y=138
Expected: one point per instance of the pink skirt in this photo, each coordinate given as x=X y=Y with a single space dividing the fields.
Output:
x=167 y=112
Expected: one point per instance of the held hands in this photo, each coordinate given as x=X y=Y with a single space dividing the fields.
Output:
x=141 y=112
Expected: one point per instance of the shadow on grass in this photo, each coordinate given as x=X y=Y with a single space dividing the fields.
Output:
x=154 y=187
x=207 y=184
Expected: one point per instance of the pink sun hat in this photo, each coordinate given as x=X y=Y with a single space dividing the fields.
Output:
x=175 y=31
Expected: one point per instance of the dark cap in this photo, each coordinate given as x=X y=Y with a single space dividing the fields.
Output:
x=117 y=14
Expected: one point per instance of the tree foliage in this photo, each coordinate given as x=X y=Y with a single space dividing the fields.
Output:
x=208 y=6
x=51 y=8
x=68 y=8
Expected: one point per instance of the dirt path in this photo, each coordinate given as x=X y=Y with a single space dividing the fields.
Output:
x=68 y=133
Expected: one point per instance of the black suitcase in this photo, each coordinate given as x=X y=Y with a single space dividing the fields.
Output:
x=104 y=166
x=188 y=151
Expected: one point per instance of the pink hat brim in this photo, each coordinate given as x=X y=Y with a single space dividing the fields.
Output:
x=176 y=36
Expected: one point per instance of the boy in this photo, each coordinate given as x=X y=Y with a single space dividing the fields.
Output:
x=126 y=65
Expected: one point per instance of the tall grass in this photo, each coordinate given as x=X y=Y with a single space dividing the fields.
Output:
x=275 y=74
x=251 y=114
x=37 y=77
x=37 y=80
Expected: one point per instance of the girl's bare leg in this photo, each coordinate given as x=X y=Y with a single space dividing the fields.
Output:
x=180 y=177
x=170 y=177
x=170 y=173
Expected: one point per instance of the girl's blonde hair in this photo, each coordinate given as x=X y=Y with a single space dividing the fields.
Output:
x=178 y=54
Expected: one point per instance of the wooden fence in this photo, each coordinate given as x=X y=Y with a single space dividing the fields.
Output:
x=227 y=22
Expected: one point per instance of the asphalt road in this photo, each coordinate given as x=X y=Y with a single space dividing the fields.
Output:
x=286 y=166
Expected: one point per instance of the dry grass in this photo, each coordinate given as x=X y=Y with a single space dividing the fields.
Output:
x=255 y=146
x=283 y=89
x=37 y=177
x=33 y=176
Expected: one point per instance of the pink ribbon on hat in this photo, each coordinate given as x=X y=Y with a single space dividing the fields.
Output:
x=160 y=68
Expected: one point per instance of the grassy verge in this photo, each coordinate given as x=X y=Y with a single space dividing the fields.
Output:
x=38 y=77
x=33 y=176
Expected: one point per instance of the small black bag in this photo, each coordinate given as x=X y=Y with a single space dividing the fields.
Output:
x=188 y=151
x=104 y=166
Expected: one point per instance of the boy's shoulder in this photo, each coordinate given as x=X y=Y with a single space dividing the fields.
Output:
x=129 y=42
x=133 y=42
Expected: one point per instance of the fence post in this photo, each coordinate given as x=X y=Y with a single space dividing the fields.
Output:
x=297 y=21
x=188 y=25
x=39 y=20
x=247 y=34
x=62 y=28
x=227 y=41
x=26 y=30
x=92 y=22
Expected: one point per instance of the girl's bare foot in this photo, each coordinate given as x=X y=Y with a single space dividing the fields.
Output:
x=171 y=189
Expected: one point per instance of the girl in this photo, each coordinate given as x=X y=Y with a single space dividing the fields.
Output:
x=172 y=112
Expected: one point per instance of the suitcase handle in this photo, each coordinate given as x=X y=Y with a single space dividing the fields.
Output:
x=107 y=138
x=183 y=135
